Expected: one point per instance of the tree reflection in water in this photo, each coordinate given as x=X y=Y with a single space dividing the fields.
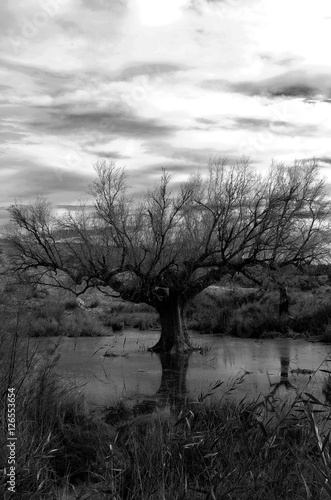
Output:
x=173 y=380
x=284 y=355
x=173 y=390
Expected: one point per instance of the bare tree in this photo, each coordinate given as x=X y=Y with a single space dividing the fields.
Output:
x=168 y=247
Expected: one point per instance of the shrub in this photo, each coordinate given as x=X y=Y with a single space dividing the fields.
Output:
x=208 y=314
x=117 y=326
x=315 y=320
x=81 y=325
x=49 y=309
x=44 y=327
x=133 y=318
x=219 y=311
x=10 y=287
x=252 y=320
x=94 y=303
x=71 y=304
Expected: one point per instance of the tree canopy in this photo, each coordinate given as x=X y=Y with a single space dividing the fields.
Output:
x=167 y=246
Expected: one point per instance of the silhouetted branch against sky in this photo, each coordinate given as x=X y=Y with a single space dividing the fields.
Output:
x=166 y=247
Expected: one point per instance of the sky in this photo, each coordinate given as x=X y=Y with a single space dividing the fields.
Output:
x=157 y=83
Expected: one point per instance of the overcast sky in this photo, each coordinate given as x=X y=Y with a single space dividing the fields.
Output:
x=155 y=83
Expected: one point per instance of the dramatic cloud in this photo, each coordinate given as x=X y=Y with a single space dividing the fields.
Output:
x=156 y=84
x=61 y=121
x=293 y=84
x=28 y=179
x=324 y=160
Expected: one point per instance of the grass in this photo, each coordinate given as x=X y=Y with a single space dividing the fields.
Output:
x=235 y=311
x=52 y=317
x=127 y=315
x=326 y=388
x=244 y=314
x=202 y=347
x=57 y=440
x=226 y=450
x=201 y=449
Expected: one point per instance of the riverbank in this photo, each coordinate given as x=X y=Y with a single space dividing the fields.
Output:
x=221 y=310
x=165 y=447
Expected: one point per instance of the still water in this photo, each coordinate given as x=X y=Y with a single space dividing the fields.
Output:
x=268 y=366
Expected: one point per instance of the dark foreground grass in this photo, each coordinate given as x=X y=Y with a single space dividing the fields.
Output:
x=184 y=451
x=197 y=450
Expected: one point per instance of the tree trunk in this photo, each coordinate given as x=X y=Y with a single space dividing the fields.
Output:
x=283 y=300
x=174 y=337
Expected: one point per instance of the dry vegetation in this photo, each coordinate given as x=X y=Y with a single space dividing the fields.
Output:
x=187 y=451
x=233 y=309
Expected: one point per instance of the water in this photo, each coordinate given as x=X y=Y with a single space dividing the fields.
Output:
x=265 y=364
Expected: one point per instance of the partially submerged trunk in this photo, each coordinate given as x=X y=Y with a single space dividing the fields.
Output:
x=174 y=337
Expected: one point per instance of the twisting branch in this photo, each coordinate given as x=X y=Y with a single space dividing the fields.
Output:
x=227 y=220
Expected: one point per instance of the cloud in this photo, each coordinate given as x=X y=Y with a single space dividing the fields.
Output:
x=30 y=179
x=207 y=124
x=192 y=156
x=39 y=80
x=278 y=127
x=59 y=120
x=110 y=154
x=324 y=159
x=257 y=123
x=105 y=5
x=206 y=121
x=108 y=79
x=295 y=84
x=281 y=59
x=4 y=88
x=153 y=69
x=32 y=70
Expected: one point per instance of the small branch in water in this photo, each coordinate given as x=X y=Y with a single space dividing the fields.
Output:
x=114 y=355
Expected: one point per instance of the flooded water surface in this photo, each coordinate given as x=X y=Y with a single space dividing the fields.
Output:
x=263 y=366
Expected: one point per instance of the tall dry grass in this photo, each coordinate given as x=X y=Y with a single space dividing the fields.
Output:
x=205 y=449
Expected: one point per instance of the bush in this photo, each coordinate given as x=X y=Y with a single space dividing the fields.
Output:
x=94 y=303
x=315 y=320
x=71 y=305
x=241 y=313
x=50 y=309
x=130 y=315
x=234 y=312
x=117 y=326
x=209 y=314
x=81 y=325
x=44 y=327
x=253 y=320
